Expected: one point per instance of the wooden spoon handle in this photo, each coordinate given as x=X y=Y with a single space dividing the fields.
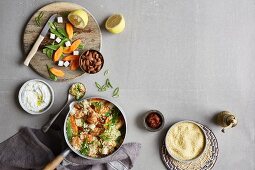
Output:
x=55 y=162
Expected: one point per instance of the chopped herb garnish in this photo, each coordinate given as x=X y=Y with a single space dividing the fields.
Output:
x=106 y=72
x=98 y=105
x=98 y=85
x=108 y=83
x=39 y=100
x=115 y=115
x=85 y=148
x=69 y=129
x=107 y=114
x=116 y=92
x=103 y=88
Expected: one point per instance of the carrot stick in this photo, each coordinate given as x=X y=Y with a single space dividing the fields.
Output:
x=73 y=47
x=57 y=72
x=57 y=54
x=74 y=65
x=73 y=125
x=71 y=57
x=69 y=30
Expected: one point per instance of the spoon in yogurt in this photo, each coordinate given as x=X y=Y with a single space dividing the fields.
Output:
x=75 y=92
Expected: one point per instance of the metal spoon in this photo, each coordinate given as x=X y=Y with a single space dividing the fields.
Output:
x=70 y=97
x=46 y=127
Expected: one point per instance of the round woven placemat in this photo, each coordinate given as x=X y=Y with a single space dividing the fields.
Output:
x=204 y=162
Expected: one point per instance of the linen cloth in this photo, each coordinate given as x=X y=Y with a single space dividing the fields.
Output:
x=33 y=149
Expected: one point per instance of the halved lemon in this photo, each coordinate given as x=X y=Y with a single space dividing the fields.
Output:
x=79 y=18
x=115 y=23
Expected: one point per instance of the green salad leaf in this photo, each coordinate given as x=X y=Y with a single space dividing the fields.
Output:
x=58 y=31
x=81 y=46
x=55 y=47
x=62 y=32
x=52 y=26
x=54 y=31
x=49 y=53
x=44 y=51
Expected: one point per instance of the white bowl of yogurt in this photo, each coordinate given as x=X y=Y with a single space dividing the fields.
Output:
x=36 y=96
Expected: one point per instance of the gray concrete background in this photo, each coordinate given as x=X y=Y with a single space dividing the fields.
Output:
x=189 y=59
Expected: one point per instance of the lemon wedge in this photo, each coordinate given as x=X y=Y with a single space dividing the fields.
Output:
x=115 y=23
x=79 y=18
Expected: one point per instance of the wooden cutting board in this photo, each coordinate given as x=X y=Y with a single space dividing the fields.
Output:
x=90 y=36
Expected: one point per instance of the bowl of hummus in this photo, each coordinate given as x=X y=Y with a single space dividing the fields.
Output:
x=36 y=96
x=185 y=141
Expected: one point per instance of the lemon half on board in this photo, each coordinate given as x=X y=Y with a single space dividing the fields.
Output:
x=79 y=18
x=115 y=23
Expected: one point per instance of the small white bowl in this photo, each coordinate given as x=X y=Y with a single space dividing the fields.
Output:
x=34 y=112
x=189 y=121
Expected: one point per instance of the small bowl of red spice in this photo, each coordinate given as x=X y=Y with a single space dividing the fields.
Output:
x=154 y=120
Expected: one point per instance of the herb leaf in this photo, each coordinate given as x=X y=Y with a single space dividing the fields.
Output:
x=106 y=72
x=103 y=88
x=97 y=105
x=107 y=114
x=69 y=129
x=55 y=47
x=98 y=85
x=41 y=14
x=59 y=32
x=108 y=83
x=85 y=149
x=62 y=32
x=116 y=92
x=45 y=50
x=81 y=46
x=49 y=53
x=115 y=115
x=38 y=19
x=52 y=76
x=52 y=26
